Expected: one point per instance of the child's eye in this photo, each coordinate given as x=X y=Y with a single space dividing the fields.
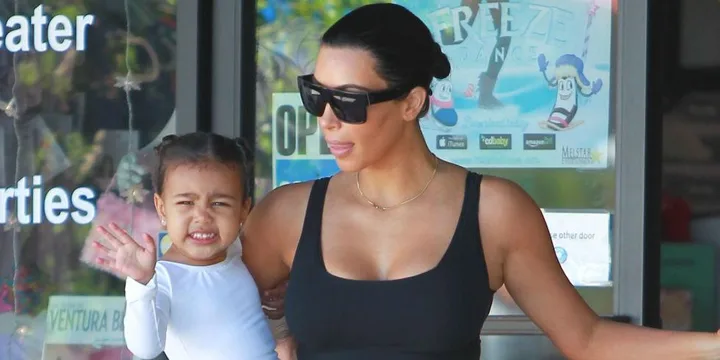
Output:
x=186 y=202
x=219 y=204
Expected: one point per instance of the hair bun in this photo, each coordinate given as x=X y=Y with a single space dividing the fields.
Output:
x=440 y=63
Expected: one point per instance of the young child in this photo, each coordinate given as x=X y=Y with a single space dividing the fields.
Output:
x=198 y=301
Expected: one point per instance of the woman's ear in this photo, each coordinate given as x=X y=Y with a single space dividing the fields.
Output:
x=414 y=102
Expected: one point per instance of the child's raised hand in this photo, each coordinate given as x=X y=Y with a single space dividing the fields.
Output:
x=125 y=255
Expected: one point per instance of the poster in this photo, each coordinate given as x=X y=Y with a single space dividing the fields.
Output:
x=530 y=82
x=529 y=88
x=582 y=246
x=299 y=149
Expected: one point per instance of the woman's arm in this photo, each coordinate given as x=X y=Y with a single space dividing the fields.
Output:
x=539 y=286
x=146 y=315
x=271 y=233
x=610 y=339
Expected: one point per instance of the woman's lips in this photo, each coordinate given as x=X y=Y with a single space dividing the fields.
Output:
x=339 y=149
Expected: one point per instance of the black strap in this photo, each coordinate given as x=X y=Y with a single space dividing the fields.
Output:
x=316 y=203
x=312 y=225
x=472 y=194
x=466 y=236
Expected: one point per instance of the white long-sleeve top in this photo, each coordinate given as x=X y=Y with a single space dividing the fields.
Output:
x=198 y=312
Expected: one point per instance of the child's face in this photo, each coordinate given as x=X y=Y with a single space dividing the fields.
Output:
x=204 y=206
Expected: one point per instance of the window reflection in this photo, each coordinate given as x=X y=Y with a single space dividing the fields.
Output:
x=76 y=130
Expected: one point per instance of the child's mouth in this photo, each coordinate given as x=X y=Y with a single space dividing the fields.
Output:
x=203 y=238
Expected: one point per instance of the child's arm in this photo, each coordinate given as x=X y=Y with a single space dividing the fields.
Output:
x=147 y=293
x=147 y=314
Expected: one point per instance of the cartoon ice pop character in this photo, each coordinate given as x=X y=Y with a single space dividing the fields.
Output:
x=442 y=105
x=570 y=81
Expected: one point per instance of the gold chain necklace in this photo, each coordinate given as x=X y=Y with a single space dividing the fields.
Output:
x=383 y=208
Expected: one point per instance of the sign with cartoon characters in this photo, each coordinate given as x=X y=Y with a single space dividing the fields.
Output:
x=529 y=86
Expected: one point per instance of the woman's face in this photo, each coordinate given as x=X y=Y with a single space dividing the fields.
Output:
x=389 y=123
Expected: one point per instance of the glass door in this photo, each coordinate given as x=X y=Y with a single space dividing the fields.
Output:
x=86 y=91
x=542 y=92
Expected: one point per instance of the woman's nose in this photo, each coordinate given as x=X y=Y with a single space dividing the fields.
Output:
x=328 y=120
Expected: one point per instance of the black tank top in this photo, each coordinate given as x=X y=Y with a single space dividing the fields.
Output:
x=435 y=315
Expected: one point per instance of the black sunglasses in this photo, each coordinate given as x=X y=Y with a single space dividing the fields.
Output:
x=349 y=107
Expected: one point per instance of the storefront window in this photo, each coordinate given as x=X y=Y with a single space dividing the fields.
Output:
x=86 y=87
x=528 y=99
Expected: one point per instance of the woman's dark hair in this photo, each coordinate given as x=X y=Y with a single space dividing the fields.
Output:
x=403 y=47
x=199 y=147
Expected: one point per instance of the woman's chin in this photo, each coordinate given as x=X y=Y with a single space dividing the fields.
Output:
x=348 y=164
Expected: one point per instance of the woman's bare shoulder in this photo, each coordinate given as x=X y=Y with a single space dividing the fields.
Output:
x=504 y=205
x=504 y=193
x=278 y=217
x=284 y=203
x=289 y=193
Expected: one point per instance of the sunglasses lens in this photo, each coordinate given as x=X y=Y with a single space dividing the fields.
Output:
x=351 y=110
x=311 y=98
x=349 y=107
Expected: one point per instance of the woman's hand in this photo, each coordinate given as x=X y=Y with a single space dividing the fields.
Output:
x=273 y=301
x=286 y=349
x=125 y=255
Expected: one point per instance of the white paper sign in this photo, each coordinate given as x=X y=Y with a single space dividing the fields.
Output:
x=582 y=245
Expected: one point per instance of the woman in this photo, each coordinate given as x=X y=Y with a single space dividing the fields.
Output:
x=399 y=255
